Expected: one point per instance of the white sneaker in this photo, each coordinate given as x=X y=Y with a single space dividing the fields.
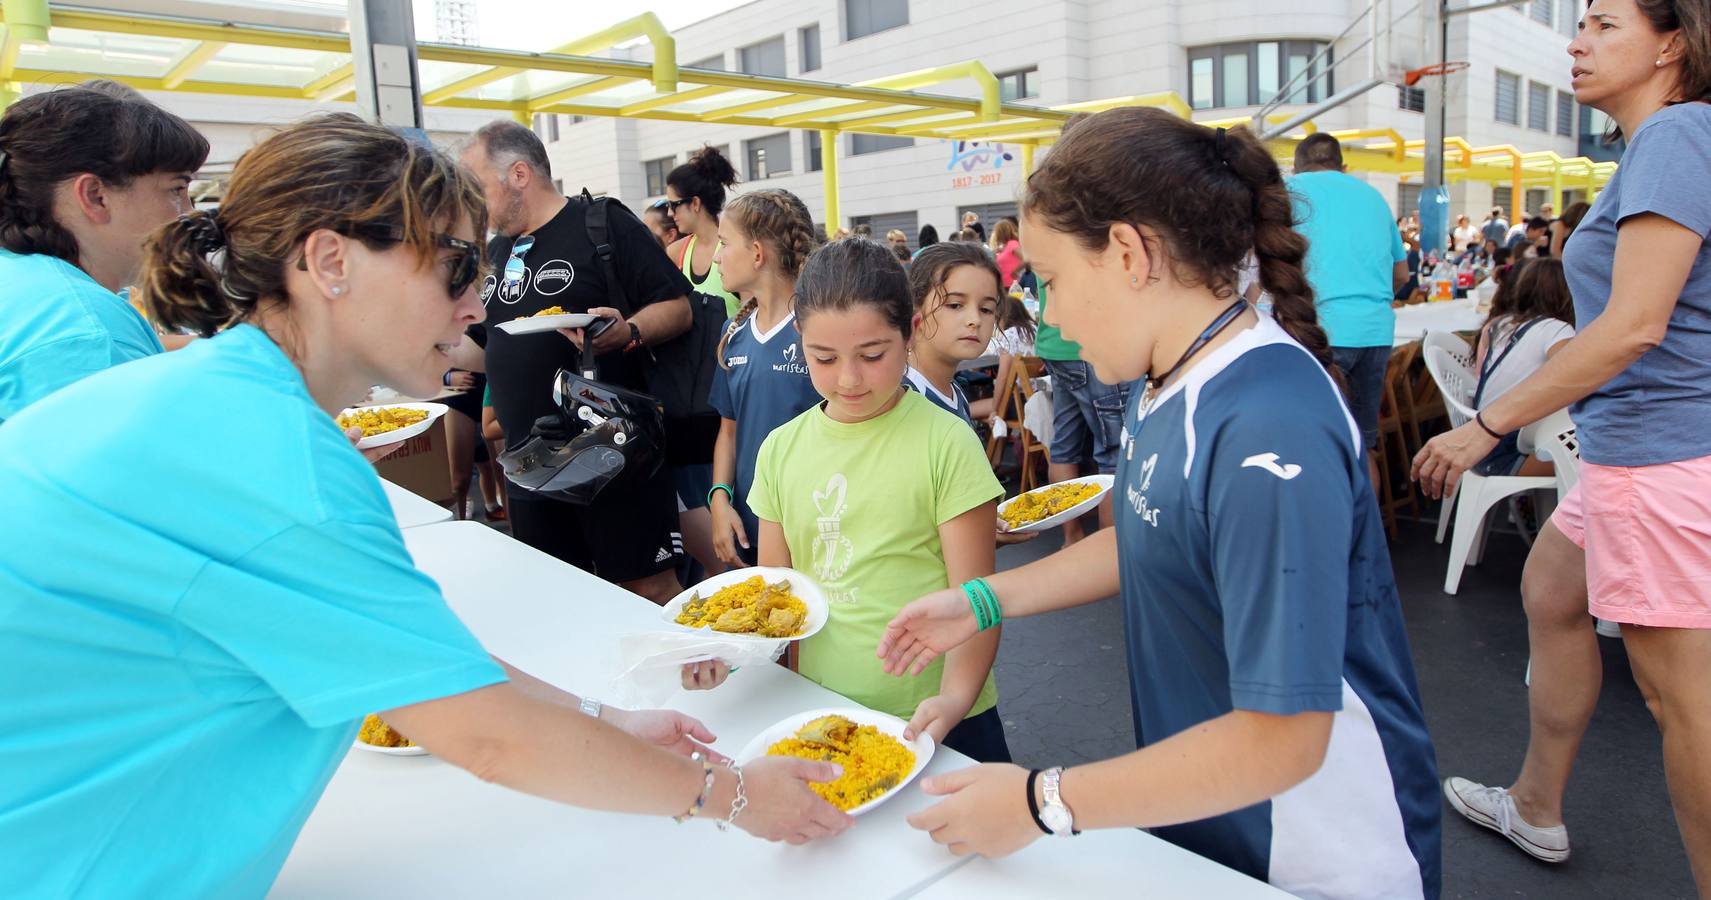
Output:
x=1494 y=808
x=1609 y=629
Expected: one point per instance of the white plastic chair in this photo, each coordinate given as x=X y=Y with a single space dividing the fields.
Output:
x=1453 y=344
x=1448 y=355
x=1476 y=494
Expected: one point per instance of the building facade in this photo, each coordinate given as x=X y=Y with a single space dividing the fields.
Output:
x=1225 y=57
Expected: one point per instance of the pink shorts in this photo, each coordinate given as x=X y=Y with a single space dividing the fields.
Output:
x=1647 y=535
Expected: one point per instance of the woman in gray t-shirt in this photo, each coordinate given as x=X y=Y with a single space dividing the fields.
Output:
x=1632 y=536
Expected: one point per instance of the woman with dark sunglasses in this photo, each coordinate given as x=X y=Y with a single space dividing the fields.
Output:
x=214 y=591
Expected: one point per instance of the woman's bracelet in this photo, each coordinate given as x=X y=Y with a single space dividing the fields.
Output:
x=1480 y=418
x=987 y=613
x=706 y=789
x=729 y=493
x=738 y=803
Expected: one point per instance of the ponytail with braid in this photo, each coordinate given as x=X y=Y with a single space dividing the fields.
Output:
x=1210 y=195
x=782 y=223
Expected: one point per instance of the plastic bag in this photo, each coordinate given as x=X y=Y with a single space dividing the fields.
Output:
x=650 y=664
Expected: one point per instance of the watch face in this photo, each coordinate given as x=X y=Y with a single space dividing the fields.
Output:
x=1057 y=819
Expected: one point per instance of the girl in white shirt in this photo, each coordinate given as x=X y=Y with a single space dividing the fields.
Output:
x=1530 y=319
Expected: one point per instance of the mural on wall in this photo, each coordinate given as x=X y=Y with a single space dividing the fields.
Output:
x=981 y=162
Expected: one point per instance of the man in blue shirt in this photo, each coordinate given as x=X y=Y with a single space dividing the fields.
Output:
x=1355 y=261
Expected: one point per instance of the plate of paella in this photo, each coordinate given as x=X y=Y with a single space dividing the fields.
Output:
x=764 y=603
x=378 y=737
x=550 y=319
x=1042 y=509
x=383 y=425
x=878 y=763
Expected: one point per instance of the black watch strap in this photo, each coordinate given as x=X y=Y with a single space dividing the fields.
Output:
x=1034 y=805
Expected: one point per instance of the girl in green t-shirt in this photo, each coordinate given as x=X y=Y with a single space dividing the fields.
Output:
x=880 y=495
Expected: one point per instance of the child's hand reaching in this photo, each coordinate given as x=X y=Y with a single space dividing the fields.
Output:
x=936 y=716
x=705 y=676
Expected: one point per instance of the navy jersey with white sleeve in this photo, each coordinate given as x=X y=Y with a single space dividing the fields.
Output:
x=956 y=402
x=1255 y=576
x=761 y=383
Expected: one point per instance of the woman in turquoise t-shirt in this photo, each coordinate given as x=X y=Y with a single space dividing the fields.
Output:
x=214 y=591
x=879 y=495
x=86 y=173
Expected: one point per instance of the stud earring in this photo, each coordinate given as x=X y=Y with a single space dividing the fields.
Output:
x=1134 y=279
x=338 y=289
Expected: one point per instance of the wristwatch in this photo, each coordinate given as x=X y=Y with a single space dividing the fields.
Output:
x=1053 y=812
x=635 y=338
x=591 y=707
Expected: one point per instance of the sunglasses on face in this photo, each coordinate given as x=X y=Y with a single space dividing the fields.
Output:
x=672 y=205
x=514 y=268
x=465 y=266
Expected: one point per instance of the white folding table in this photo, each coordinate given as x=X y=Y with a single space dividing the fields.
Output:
x=413 y=509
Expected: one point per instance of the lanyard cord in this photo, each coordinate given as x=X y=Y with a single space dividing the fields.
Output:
x=1212 y=331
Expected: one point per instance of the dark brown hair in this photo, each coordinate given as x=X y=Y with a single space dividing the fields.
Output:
x=1693 y=19
x=853 y=272
x=705 y=175
x=933 y=267
x=1208 y=196
x=1537 y=290
x=209 y=270
x=99 y=128
x=781 y=221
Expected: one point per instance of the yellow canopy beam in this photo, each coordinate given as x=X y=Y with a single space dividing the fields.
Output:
x=829 y=179
x=192 y=60
x=646 y=25
x=1170 y=100
x=580 y=89
x=991 y=103
x=317 y=89
x=725 y=112
x=825 y=113
x=673 y=99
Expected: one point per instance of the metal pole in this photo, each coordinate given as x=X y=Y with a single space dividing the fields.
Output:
x=1434 y=212
x=829 y=175
x=383 y=61
x=1272 y=132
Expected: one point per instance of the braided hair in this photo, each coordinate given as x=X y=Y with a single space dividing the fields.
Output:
x=781 y=222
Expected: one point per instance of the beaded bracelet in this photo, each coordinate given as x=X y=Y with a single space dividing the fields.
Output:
x=706 y=789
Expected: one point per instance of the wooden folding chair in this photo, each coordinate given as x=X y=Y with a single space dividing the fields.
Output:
x=1394 y=425
x=1013 y=395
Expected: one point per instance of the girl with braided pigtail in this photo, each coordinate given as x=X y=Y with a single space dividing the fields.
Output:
x=1276 y=712
x=762 y=380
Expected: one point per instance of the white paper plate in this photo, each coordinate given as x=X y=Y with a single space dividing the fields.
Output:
x=434 y=411
x=1050 y=522
x=536 y=324
x=922 y=744
x=806 y=589
x=392 y=751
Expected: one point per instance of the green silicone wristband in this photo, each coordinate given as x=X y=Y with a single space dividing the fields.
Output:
x=974 y=601
x=729 y=493
x=994 y=613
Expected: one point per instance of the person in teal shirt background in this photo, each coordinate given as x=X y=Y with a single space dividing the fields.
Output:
x=86 y=172
x=213 y=591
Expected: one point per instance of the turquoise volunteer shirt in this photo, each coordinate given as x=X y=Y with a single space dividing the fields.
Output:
x=58 y=326
x=210 y=593
x=1353 y=247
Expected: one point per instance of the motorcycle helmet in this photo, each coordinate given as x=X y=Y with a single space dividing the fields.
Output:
x=601 y=434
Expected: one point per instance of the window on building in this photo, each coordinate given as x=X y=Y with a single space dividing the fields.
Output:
x=1536 y=200
x=1504 y=196
x=907 y=222
x=1565 y=114
x=1538 y=106
x=1542 y=12
x=1407 y=198
x=768 y=156
x=810 y=38
x=1019 y=85
x=546 y=127
x=764 y=58
x=716 y=61
x=865 y=17
x=1412 y=99
x=877 y=143
x=1568 y=18
x=1251 y=73
x=813 y=155
x=656 y=170
x=1508 y=98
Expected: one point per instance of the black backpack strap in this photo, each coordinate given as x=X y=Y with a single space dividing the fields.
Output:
x=596 y=220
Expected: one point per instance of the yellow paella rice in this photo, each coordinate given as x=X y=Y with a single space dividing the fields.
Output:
x=874 y=762
x=748 y=607
x=1045 y=503
x=549 y=311
x=381 y=419
x=376 y=733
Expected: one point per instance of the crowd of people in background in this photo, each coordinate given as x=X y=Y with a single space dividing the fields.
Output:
x=1215 y=334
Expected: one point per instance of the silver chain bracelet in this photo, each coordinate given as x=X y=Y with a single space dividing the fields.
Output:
x=738 y=804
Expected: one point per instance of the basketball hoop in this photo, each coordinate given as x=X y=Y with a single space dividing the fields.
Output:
x=1413 y=76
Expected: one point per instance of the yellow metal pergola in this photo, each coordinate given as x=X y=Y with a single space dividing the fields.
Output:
x=44 y=43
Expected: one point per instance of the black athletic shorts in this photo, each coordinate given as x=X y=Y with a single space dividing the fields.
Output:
x=629 y=532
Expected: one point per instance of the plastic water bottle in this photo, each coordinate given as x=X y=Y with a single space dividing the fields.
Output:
x=1016 y=289
x=1029 y=303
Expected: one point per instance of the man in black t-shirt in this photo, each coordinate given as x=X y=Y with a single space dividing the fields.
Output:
x=628 y=536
